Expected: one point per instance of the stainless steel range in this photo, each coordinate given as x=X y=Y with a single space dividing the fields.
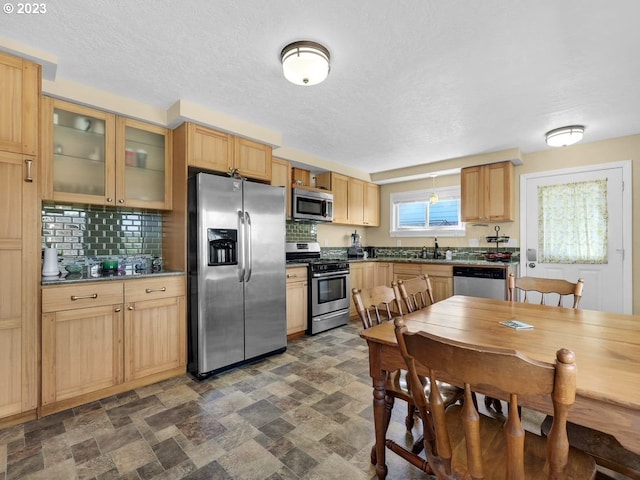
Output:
x=328 y=286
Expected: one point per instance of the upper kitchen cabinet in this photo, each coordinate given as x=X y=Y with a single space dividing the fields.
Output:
x=281 y=177
x=355 y=202
x=487 y=192
x=222 y=152
x=95 y=157
x=371 y=215
x=19 y=96
x=252 y=159
x=143 y=165
x=339 y=186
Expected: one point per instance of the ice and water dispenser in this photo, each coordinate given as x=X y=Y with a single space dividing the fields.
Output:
x=223 y=246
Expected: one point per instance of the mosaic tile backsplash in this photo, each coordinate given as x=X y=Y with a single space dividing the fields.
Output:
x=301 y=231
x=90 y=232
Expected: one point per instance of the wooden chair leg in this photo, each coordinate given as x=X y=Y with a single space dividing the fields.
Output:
x=410 y=420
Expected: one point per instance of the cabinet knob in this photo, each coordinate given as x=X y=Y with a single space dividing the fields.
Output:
x=118 y=309
x=130 y=307
x=109 y=199
x=121 y=200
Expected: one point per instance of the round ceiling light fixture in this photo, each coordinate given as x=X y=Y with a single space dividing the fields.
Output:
x=305 y=63
x=564 y=136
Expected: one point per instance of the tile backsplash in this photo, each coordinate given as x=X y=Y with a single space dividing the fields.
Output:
x=301 y=231
x=92 y=231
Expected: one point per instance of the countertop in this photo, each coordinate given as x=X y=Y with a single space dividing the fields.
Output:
x=440 y=261
x=84 y=277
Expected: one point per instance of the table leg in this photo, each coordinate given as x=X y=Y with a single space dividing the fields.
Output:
x=379 y=407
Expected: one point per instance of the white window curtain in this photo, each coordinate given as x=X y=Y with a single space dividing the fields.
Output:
x=573 y=222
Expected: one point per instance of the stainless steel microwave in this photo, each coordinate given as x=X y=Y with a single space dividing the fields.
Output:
x=312 y=205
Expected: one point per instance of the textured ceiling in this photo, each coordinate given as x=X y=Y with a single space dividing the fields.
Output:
x=411 y=82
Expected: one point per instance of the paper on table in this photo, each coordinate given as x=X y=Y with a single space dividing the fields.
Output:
x=517 y=324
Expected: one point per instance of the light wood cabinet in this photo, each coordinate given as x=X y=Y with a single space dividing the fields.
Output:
x=441 y=277
x=361 y=275
x=81 y=340
x=19 y=96
x=339 y=186
x=222 y=152
x=103 y=338
x=95 y=157
x=301 y=177
x=19 y=239
x=154 y=326
x=297 y=300
x=281 y=177
x=487 y=192
x=355 y=202
x=383 y=273
x=371 y=215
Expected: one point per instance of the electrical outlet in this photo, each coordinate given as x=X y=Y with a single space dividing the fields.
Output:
x=326 y=242
x=474 y=242
x=398 y=243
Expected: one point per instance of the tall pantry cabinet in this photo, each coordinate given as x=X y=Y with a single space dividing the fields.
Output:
x=19 y=239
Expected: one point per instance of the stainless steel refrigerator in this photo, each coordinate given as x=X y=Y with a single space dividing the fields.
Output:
x=236 y=271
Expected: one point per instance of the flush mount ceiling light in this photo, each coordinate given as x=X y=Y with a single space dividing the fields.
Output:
x=564 y=136
x=305 y=63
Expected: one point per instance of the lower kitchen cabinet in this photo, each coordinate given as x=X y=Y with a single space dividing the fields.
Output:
x=297 y=300
x=104 y=338
x=81 y=340
x=361 y=275
x=441 y=277
x=383 y=273
x=154 y=326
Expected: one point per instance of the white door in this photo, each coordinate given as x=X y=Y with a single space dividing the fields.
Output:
x=608 y=281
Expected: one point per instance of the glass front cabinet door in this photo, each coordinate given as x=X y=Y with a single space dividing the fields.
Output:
x=78 y=153
x=98 y=158
x=143 y=168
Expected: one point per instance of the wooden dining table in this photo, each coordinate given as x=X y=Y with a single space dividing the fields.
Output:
x=606 y=346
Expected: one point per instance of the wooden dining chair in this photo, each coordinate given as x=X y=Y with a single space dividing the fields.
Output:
x=376 y=305
x=461 y=443
x=545 y=286
x=414 y=293
x=605 y=449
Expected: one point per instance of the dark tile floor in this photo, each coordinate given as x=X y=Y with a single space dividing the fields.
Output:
x=305 y=414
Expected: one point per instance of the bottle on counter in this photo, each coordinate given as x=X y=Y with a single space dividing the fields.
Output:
x=424 y=253
x=435 y=248
x=448 y=255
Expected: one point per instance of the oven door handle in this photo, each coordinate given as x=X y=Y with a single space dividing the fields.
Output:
x=340 y=273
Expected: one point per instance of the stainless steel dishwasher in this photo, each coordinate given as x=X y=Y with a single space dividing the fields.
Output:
x=486 y=282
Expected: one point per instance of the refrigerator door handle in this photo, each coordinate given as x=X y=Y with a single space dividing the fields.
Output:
x=241 y=234
x=249 y=256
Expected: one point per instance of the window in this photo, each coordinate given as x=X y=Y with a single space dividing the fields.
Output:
x=413 y=216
